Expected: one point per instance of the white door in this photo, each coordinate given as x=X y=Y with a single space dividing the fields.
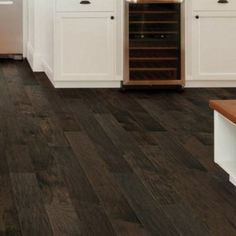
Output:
x=85 y=47
x=214 y=45
x=11 y=18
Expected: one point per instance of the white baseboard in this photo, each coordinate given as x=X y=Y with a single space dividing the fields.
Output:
x=48 y=70
x=87 y=84
x=30 y=55
x=34 y=59
x=210 y=84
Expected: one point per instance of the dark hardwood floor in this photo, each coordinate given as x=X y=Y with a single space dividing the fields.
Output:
x=101 y=162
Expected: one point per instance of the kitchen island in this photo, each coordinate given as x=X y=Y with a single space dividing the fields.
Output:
x=225 y=135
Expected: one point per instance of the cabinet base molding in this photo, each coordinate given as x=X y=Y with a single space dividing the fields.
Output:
x=86 y=84
x=232 y=180
x=44 y=67
x=224 y=144
x=210 y=84
x=34 y=59
x=48 y=70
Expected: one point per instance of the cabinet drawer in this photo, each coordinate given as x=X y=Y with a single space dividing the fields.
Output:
x=85 y=5
x=214 y=5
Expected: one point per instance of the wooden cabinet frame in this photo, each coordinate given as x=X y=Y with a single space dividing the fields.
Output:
x=127 y=81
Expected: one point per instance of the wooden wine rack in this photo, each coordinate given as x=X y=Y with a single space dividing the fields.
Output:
x=153 y=45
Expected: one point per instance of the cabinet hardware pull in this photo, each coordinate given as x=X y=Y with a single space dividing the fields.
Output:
x=112 y=17
x=85 y=2
x=197 y=17
x=223 y=1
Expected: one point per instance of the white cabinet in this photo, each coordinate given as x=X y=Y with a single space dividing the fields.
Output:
x=86 y=51
x=85 y=47
x=77 y=43
x=213 y=45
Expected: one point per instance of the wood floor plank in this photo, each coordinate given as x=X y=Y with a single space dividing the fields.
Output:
x=83 y=197
x=178 y=152
x=185 y=220
x=152 y=216
x=124 y=142
x=74 y=176
x=32 y=214
x=120 y=213
x=52 y=132
x=19 y=159
x=6 y=105
x=64 y=219
x=59 y=207
x=9 y=221
x=94 y=219
x=60 y=111
x=108 y=151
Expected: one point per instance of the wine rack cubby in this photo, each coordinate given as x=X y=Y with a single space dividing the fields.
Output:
x=153 y=44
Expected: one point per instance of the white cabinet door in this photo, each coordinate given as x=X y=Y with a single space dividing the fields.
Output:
x=214 y=45
x=85 y=47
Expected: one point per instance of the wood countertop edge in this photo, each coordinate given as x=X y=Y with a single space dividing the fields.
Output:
x=218 y=105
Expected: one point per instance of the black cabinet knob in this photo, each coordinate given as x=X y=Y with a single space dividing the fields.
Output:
x=84 y=2
x=112 y=17
x=197 y=17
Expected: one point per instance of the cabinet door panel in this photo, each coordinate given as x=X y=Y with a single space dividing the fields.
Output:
x=86 y=47
x=214 y=46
